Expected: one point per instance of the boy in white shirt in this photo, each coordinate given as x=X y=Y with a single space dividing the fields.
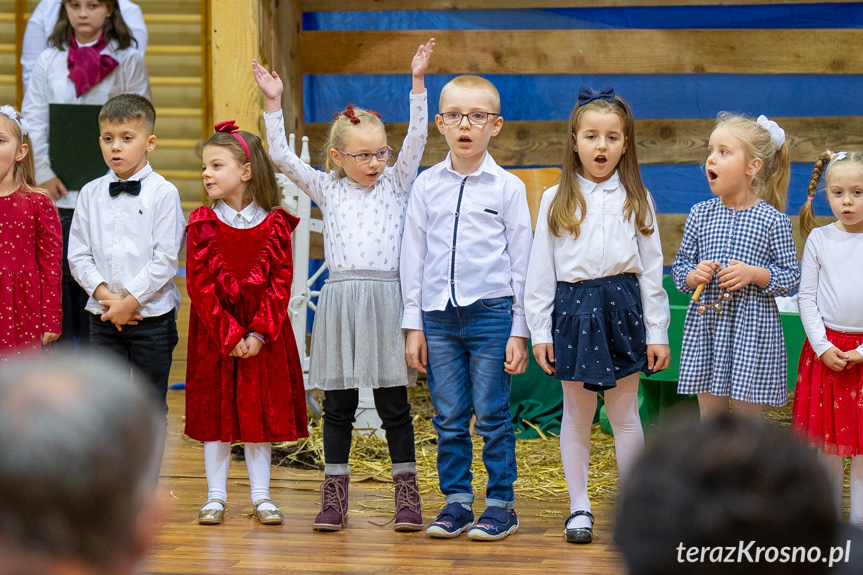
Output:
x=124 y=243
x=464 y=259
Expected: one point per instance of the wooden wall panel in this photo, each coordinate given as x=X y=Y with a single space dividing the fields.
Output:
x=233 y=33
x=803 y=51
x=538 y=143
x=339 y=5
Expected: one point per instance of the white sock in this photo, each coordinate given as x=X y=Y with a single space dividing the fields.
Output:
x=856 y=518
x=217 y=459
x=258 y=457
x=579 y=406
x=834 y=466
x=621 y=407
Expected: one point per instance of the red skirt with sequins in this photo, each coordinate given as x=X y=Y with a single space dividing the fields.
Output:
x=828 y=405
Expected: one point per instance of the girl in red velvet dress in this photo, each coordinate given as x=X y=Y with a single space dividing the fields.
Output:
x=30 y=248
x=244 y=380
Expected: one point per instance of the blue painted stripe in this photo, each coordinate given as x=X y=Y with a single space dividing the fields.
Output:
x=677 y=187
x=552 y=96
x=827 y=15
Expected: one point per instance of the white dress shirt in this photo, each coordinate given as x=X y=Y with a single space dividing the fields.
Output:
x=362 y=226
x=607 y=245
x=830 y=278
x=50 y=84
x=129 y=243
x=41 y=25
x=248 y=217
x=466 y=238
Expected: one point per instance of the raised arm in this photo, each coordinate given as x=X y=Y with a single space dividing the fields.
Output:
x=307 y=178
x=411 y=154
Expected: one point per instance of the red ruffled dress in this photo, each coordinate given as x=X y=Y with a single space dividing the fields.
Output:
x=30 y=291
x=239 y=280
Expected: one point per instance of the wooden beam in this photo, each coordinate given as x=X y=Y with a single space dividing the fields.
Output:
x=339 y=5
x=280 y=51
x=233 y=31
x=659 y=141
x=809 y=51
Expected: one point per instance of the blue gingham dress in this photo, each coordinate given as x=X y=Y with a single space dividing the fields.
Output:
x=740 y=351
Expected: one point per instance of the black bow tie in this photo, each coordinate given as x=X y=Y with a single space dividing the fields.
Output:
x=132 y=187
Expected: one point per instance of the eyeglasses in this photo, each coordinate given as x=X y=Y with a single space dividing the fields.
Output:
x=475 y=118
x=366 y=157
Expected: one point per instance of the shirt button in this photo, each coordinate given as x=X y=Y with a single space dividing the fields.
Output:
x=453 y=248
x=455 y=214
x=452 y=282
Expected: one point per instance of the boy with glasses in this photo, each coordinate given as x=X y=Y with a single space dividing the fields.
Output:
x=465 y=251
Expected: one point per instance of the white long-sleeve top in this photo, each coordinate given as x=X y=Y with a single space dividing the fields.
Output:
x=50 y=84
x=41 y=25
x=466 y=238
x=608 y=244
x=830 y=278
x=362 y=226
x=129 y=243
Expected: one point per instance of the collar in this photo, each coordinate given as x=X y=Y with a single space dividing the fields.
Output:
x=488 y=166
x=588 y=187
x=139 y=175
x=229 y=214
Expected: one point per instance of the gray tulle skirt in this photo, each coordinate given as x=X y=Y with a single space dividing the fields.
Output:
x=357 y=339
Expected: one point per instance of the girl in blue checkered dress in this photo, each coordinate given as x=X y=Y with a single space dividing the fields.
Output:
x=739 y=245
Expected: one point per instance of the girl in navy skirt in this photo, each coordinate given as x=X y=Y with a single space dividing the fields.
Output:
x=739 y=246
x=594 y=301
x=828 y=402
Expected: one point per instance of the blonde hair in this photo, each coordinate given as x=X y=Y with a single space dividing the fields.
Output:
x=24 y=171
x=770 y=183
x=568 y=207
x=827 y=160
x=469 y=82
x=351 y=118
x=262 y=188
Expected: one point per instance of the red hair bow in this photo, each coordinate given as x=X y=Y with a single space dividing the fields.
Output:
x=349 y=114
x=226 y=126
x=229 y=127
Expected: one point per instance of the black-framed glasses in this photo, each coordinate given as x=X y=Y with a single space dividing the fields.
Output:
x=475 y=118
x=366 y=157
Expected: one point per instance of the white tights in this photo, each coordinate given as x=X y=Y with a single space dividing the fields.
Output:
x=579 y=407
x=217 y=459
x=835 y=468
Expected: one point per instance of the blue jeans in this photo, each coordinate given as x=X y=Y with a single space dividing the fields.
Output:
x=466 y=353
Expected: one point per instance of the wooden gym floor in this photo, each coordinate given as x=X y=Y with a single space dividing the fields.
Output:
x=242 y=546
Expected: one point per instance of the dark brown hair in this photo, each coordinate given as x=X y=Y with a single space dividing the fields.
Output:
x=114 y=28
x=128 y=107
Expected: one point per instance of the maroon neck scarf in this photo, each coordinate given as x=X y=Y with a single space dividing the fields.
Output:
x=87 y=67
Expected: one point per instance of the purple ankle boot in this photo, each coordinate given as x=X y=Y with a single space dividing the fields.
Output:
x=334 y=503
x=409 y=515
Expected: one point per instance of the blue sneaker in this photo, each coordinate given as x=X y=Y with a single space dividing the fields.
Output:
x=495 y=523
x=453 y=520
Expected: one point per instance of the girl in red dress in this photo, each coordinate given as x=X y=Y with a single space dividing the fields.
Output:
x=30 y=247
x=828 y=401
x=244 y=380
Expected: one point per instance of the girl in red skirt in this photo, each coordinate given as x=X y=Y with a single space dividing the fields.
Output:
x=244 y=381
x=828 y=402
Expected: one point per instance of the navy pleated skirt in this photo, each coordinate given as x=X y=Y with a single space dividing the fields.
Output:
x=599 y=331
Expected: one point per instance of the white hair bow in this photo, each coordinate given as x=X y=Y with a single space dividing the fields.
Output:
x=777 y=134
x=10 y=113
